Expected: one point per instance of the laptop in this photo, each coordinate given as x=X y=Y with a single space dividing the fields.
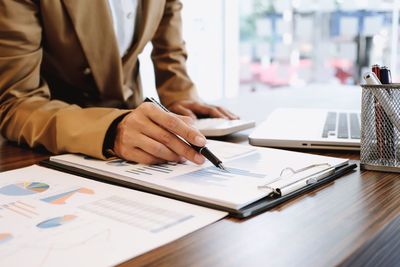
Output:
x=309 y=128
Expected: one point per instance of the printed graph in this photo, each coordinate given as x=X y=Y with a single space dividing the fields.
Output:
x=118 y=163
x=154 y=169
x=143 y=216
x=24 y=189
x=5 y=237
x=56 y=222
x=253 y=161
x=215 y=177
x=89 y=158
x=20 y=208
x=242 y=172
x=62 y=198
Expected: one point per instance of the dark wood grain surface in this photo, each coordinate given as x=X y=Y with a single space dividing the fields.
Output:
x=13 y=156
x=381 y=250
x=323 y=228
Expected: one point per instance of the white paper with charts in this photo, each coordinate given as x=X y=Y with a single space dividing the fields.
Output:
x=50 y=218
x=249 y=169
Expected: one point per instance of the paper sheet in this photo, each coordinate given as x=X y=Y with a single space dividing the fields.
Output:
x=49 y=218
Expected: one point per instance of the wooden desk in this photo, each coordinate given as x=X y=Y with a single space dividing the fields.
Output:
x=322 y=228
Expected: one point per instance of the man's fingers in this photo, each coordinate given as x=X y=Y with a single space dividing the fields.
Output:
x=138 y=155
x=186 y=119
x=215 y=113
x=208 y=110
x=175 y=125
x=187 y=107
x=181 y=110
x=150 y=135
x=155 y=148
x=227 y=113
x=170 y=140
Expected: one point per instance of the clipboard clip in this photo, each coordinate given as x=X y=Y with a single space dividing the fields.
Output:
x=295 y=184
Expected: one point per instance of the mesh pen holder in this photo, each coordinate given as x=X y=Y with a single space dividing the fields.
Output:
x=380 y=138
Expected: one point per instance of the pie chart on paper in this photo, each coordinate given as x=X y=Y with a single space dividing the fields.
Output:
x=24 y=189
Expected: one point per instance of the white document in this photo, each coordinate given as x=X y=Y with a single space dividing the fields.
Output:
x=249 y=168
x=50 y=218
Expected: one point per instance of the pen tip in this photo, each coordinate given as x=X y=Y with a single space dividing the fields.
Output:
x=222 y=167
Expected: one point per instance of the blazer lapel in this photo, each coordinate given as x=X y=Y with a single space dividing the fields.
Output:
x=148 y=13
x=94 y=27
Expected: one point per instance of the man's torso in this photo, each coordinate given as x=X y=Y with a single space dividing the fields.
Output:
x=81 y=59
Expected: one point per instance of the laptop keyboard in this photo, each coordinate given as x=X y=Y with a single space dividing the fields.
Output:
x=355 y=126
x=343 y=125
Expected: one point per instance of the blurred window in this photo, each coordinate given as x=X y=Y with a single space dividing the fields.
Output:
x=297 y=42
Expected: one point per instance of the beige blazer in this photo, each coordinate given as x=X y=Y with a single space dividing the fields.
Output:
x=62 y=81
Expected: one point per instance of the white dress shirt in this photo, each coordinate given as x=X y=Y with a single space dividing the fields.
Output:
x=123 y=13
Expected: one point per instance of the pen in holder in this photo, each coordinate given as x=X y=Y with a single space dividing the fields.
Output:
x=380 y=127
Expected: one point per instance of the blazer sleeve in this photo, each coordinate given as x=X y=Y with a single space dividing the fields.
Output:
x=169 y=57
x=27 y=113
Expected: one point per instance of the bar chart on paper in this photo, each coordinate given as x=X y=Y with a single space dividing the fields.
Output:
x=214 y=176
x=19 y=208
x=166 y=168
x=144 y=216
x=140 y=171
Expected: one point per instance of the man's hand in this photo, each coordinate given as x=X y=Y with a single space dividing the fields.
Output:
x=194 y=109
x=148 y=135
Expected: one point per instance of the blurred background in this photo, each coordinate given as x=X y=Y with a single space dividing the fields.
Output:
x=241 y=46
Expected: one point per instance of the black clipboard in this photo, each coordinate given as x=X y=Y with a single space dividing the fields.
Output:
x=255 y=208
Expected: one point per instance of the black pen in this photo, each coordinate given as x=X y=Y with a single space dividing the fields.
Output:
x=202 y=150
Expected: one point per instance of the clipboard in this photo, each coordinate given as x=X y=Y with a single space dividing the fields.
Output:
x=252 y=209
